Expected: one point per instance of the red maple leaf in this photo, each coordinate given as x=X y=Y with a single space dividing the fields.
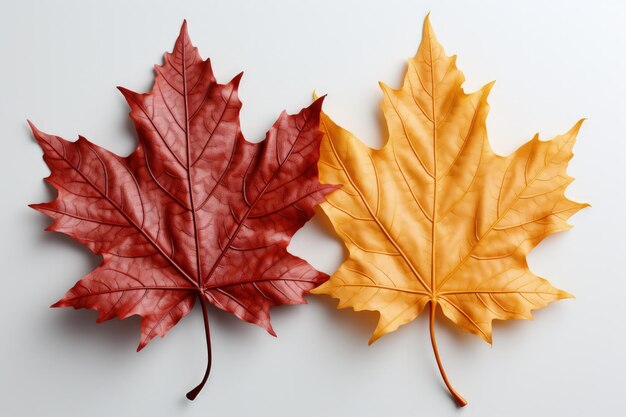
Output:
x=195 y=211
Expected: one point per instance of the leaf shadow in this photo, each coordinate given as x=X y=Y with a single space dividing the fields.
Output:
x=52 y=238
x=383 y=131
x=321 y=224
x=112 y=336
x=81 y=325
x=461 y=338
x=377 y=112
x=129 y=126
x=357 y=325
x=233 y=326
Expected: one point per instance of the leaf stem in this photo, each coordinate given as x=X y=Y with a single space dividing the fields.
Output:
x=191 y=395
x=461 y=402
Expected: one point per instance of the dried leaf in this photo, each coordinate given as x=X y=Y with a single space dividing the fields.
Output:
x=195 y=211
x=435 y=217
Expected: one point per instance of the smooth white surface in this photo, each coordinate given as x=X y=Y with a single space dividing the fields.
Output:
x=554 y=62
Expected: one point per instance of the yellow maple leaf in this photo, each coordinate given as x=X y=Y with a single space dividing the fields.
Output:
x=436 y=217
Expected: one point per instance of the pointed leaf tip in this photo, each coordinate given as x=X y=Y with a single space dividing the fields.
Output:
x=123 y=90
x=317 y=103
x=428 y=33
x=270 y=329
x=576 y=128
x=129 y=95
x=236 y=80
x=427 y=26
x=373 y=339
x=33 y=128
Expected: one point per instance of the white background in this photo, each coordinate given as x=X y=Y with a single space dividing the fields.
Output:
x=554 y=63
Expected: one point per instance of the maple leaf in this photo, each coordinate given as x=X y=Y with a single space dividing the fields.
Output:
x=435 y=217
x=195 y=211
